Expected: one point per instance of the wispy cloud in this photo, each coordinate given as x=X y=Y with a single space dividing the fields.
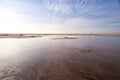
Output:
x=58 y=6
x=60 y=15
x=84 y=8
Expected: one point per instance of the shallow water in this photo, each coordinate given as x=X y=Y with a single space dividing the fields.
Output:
x=85 y=58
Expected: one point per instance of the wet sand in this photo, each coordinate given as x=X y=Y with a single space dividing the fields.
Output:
x=66 y=37
x=61 y=60
x=19 y=35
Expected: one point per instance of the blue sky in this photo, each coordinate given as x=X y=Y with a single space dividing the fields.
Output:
x=59 y=16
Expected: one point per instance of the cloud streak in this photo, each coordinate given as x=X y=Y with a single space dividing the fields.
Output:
x=85 y=8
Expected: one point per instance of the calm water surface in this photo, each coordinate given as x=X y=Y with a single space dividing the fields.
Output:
x=85 y=58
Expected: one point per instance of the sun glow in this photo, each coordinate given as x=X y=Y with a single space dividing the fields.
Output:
x=11 y=22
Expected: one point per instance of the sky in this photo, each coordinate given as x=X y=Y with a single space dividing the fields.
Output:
x=59 y=16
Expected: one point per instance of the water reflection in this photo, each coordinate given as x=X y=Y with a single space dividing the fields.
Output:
x=85 y=58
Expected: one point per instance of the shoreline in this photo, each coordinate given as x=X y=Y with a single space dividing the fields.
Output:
x=41 y=35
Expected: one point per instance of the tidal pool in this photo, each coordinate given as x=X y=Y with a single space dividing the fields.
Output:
x=84 y=58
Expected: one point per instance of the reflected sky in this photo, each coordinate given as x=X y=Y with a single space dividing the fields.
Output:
x=92 y=56
x=9 y=47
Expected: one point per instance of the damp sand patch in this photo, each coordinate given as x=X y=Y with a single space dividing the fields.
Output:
x=20 y=36
x=64 y=38
x=86 y=50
